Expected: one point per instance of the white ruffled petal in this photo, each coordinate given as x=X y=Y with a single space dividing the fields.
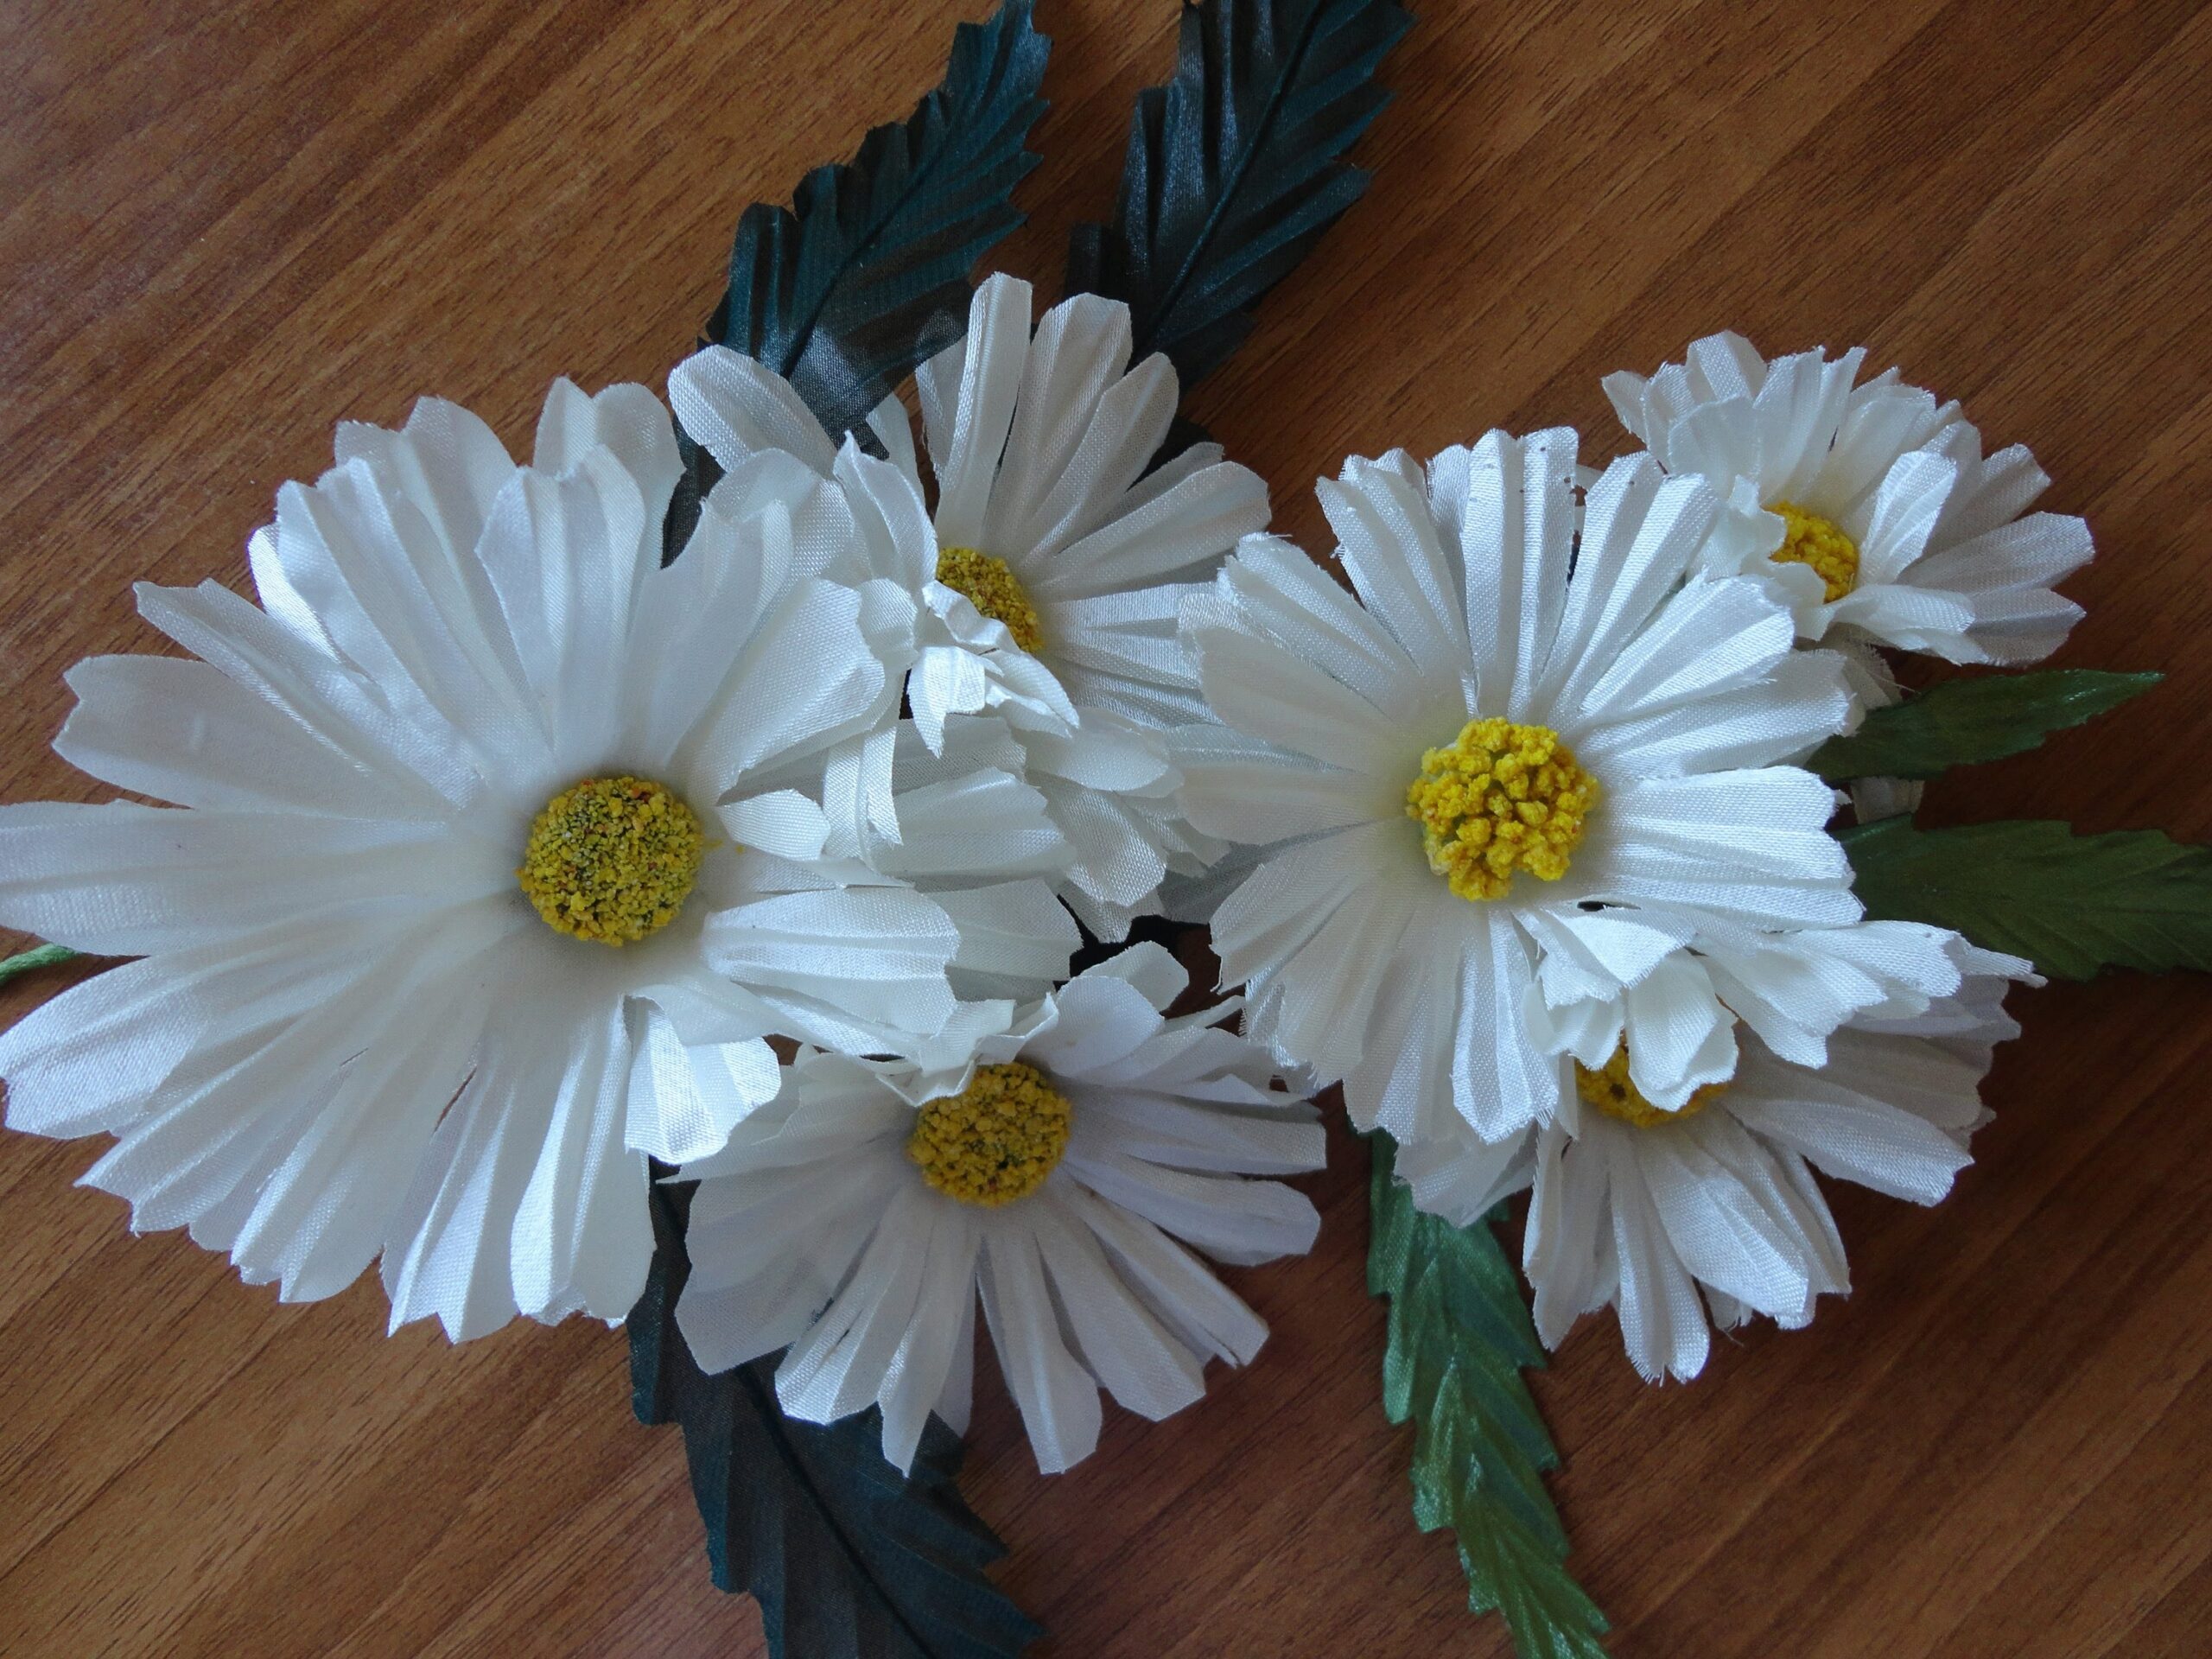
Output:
x=1662 y=1322
x=185 y=733
x=583 y=1235
x=1133 y=1357
x=1265 y=691
x=125 y=881
x=1517 y=543
x=992 y=358
x=852 y=969
x=1057 y=1398
x=734 y=407
x=1407 y=574
x=843 y=1363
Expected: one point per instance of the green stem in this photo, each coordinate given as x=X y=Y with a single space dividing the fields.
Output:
x=39 y=956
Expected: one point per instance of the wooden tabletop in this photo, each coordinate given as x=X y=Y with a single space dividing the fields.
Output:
x=223 y=228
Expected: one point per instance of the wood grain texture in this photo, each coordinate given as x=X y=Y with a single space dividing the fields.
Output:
x=225 y=227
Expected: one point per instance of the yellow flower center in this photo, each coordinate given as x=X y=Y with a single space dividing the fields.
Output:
x=992 y=588
x=1812 y=540
x=1611 y=1093
x=996 y=1139
x=1501 y=798
x=611 y=859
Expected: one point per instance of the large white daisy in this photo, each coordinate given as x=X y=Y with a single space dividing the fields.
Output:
x=497 y=850
x=1506 y=797
x=1051 y=1176
x=1669 y=1215
x=1870 y=508
x=1050 y=573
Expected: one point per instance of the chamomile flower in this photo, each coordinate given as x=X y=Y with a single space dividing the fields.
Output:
x=858 y=1218
x=1050 y=573
x=1501 y=803
x=1870 y=508
x=497 y=850
x=1710 y=1213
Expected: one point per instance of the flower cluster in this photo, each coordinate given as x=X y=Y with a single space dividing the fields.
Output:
x=498 y=851
x=504 y=862
x=1617 y=957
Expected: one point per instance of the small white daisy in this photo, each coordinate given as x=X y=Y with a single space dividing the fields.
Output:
x=1648 y=1211
x=1047 y=1176
x=501 y=851
x=1790 y=989
x=1506 y=794
x=1050 y=573
x=1870 y=508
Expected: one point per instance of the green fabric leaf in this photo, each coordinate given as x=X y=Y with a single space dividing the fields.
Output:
x=847 y=1558
x=39 y=956
x=866 y=273
x=2070 y=904
x=1967 y=721
x=1460 y=1337
x=1236 y=167
x=838 y=292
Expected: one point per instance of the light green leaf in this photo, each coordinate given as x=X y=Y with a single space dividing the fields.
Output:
x=1967 y=721
x=39 y=956
x=2070 y=904
x=1459 y=1339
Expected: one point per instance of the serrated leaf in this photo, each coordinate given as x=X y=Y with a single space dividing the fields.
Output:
x=1967 y=721
x=866 y=273
x=847 y=1558
x=1459 y=1338
x=837 y=292
x=2070 y=904
x=1236 y=167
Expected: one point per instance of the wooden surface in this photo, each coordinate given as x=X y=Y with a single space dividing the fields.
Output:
x=224 y=228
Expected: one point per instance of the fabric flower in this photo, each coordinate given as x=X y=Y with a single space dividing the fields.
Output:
x=1870 y=508
x=1050 y=573
x=1503 y=801
x=1047 y=1176
x=497 y=850
x=1648 y=1211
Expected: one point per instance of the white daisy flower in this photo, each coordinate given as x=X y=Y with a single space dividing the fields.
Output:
x=1048 y=1177
x=1871 y=509
x=1648 y=1211
x=1050 y=572
x=1504 y=798
x=501 y=850
x=1790 y=989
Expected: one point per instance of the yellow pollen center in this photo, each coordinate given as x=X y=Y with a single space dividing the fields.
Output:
x=996 y=1139
x=611 y=859
x=992 y=588
x=1501 y=797
x=1611 y=1093
x=1809 y=539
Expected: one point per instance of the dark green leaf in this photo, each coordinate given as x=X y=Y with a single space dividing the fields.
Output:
x=866 y=273
x=1967 y=721
x=837 y=292
x=1236 y=167
x=849 y=1559
x=2070 y=904
x=1459 y=1339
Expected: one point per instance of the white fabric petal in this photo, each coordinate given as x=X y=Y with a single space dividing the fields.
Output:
x=122 y=879
x=993 y=357
x=733 y=406
x=1057 y=1398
